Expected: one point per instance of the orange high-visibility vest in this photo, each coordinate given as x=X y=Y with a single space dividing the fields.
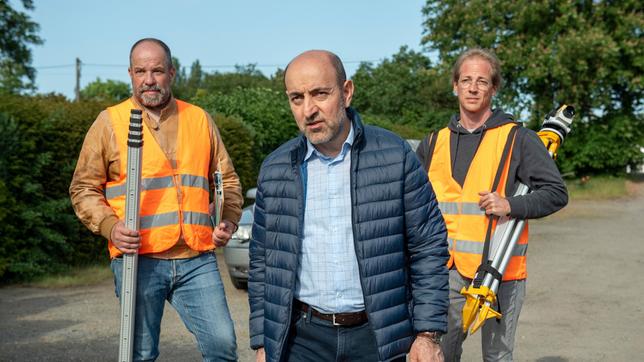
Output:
x=466 y=222
x=174 y=201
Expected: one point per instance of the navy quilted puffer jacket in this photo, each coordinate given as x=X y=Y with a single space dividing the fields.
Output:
x=399 y=236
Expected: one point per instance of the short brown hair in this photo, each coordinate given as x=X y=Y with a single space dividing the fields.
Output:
x=484 y=54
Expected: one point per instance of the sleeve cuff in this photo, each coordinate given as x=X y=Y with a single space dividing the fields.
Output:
x=257 y=342
x=517 y=208
x=106 y=226
x=231 y=216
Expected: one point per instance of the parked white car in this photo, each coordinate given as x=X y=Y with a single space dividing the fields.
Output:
x=236 y=251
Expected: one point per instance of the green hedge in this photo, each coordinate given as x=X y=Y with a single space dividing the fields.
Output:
x=39 y=142
x=603 y=146
x=239 y=139
x=265 y=110
x=265 y=116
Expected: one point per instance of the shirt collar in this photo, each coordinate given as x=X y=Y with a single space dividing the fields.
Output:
x=346 y=146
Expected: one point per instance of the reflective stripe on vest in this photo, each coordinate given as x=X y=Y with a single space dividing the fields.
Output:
x=475 y=247
x=172 y=218
x=156 y=183
x=466 y=221
x=463 y=208
x=174 y=201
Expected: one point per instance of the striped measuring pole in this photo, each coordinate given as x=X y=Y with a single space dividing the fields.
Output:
x=132 y=219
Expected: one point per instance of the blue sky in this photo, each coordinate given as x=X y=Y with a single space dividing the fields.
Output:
x=218 y=33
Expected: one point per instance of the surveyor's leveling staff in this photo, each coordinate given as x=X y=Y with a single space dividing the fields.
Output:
x=130 y=261
x=218 y=198
x=480 y=296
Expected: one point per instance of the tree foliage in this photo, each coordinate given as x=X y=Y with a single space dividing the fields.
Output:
x=239 y=139
x=264 y=111
x=406 y=89
x=18 y=32
x=106 y=91
x=244 y=76
x=187 y=86
x=590 y=53
x=586 y=53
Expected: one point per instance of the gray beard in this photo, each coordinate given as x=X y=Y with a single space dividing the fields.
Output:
x=154 y=101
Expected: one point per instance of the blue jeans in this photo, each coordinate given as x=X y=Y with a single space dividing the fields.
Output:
x=317 y=340
x=194 y=288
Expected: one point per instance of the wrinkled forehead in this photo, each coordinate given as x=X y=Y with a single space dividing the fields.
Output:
x=475 y=66
x=148 y=52
x=309 y=75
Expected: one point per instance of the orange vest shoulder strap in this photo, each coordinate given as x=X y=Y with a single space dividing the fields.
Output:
x=507 y=150
x=501 y=169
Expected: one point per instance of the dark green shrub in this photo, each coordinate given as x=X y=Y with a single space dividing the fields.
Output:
x=238 y=138
x=603 y=146
x=39 y=142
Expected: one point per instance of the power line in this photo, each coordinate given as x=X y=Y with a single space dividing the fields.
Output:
x=105 y=65
x=55 y=66
x=214 y=66
x=273 y=65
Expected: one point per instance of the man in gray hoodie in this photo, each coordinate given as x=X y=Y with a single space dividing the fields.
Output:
x=475 y=165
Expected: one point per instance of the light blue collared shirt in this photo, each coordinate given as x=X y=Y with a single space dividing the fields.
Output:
x=328 y=277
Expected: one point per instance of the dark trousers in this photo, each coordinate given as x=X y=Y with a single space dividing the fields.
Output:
x=316 y=340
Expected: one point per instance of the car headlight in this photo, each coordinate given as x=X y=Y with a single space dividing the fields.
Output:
x=243 y=233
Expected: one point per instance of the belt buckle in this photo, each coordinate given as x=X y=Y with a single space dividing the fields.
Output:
x=335 y=324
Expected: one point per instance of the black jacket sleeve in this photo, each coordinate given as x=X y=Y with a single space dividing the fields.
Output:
x=532 y=165
x=422 y=152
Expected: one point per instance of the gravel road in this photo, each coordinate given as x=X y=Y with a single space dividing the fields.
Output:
x=584 y=300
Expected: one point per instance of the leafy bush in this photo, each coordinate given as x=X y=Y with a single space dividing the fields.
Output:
x=604 y=146
x=403 y=130
x=264 y=110
x=238 y=137
x=39 y=142
x=106 y=91
x=406 y=89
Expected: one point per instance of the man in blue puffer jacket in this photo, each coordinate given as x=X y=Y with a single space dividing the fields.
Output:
x=348 y=255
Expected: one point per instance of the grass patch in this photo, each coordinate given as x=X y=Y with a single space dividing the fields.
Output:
x=597 y=188
x=74 y=277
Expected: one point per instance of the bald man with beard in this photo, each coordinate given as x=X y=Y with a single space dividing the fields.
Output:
x=181 y=150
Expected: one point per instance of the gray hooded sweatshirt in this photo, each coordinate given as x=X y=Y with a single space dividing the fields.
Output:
x=530 y=164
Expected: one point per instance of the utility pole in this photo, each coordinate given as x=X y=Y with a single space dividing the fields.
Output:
x=78 y=74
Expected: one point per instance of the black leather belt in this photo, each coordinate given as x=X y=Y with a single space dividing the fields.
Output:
x=338 y=319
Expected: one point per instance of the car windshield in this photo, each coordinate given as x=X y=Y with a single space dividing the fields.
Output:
x=247 y=216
